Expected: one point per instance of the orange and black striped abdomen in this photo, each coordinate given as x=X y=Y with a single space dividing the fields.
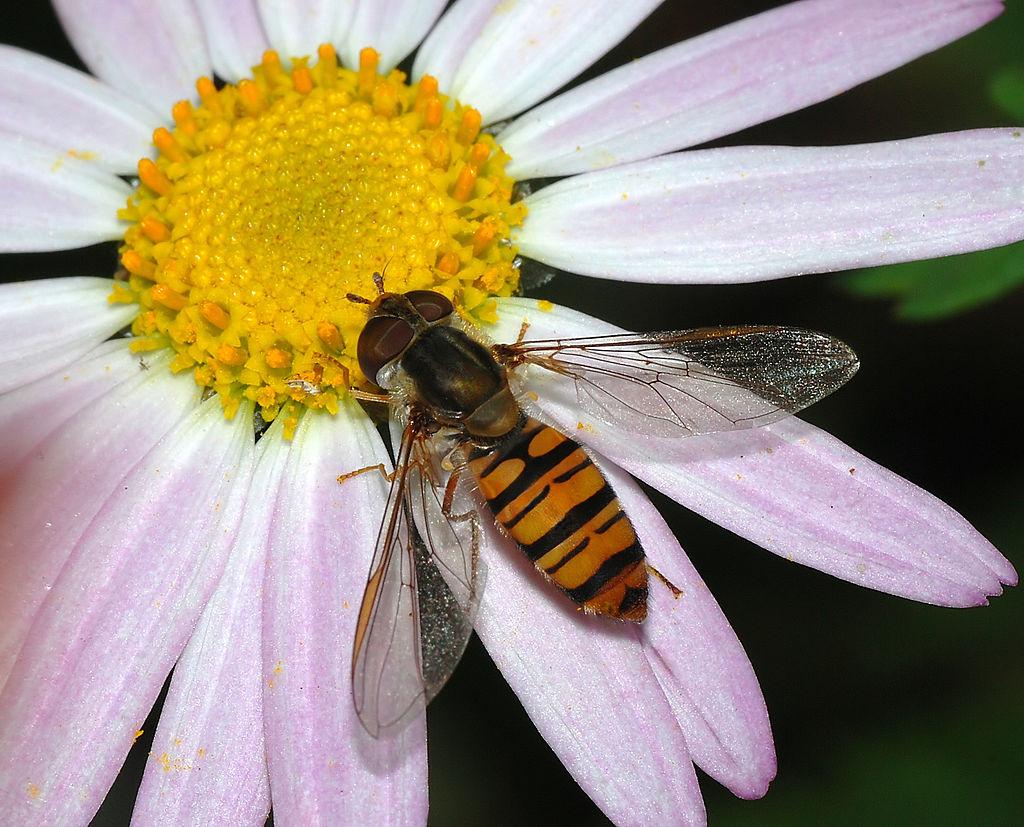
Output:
x=556 y=504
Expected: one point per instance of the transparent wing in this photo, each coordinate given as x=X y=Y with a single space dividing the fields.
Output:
x=696 y=381
x=421 y=594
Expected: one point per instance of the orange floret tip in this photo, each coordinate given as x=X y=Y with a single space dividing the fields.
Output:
x=448 y=263
x=154 y=229
x=251 y=96
x=137 y=265
x=426 y=90
x=464 y=184
x=168 y=298
x=478 y=154
x=208 y=94
x=214 y=314
x=231 y=356
x=183 y=115
x=302 y=80
x=329 y=335
x=385 y=99
x=433 y=112
x=153 y=178
x=368 y=61
x=470 y=126
x=277 y=358
x=439 y=152
x=483 y=237
x=164 y=141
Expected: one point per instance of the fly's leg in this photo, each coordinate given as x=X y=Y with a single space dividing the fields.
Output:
x=676 y=591
x=522 y=331
x=379 y=467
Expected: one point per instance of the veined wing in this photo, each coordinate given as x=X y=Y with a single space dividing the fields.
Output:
x=698 y=381
x=421 y=595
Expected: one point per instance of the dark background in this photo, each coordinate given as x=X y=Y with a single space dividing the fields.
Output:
x=884 y=710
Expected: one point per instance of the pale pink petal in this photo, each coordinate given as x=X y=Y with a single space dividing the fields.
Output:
x=392 y=27
x=208 y=763
x=442 y=52
x=791 y=488
x=698 y=659
x=588 y=687
x=71 y=112
x=235 y=35
x=49 y=323
x=527 y=50
x=152 y=51
x=296 y=27
x=31 y=412
x=65 y=450
x=324 y=767
x=752 y=213
x=117 y=617
x=53 y=201
x=732 y=78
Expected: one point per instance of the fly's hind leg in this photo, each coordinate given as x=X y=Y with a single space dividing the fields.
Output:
x=676 y=591
x=449 y=499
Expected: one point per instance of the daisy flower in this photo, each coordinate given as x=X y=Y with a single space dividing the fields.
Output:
x=145 y=526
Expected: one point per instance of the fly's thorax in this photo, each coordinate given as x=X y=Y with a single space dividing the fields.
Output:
x=452 y=373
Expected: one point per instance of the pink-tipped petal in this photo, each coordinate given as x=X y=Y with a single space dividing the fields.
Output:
x=208 y=762
x=53 y=201
x=393 y=27
x=235 y=34
x=442 y=52
x=698 y=659
x=117 y=617
x=752 y=213
x=48 y=324
x=67 y=444
x=734 y=77
x=296 y=27
x=589 y=689
x=791 y=488
x=537 y=46
x=152 y=51
x=70 y=112
x=324 y=767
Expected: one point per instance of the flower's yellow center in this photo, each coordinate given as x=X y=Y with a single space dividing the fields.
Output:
x=272 y=200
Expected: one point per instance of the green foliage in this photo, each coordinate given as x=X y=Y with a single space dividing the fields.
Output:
x=926 y=290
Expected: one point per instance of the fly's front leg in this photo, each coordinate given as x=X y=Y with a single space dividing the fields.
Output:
x=390 y=477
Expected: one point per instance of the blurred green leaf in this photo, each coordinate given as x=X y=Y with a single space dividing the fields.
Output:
x=1007 y=90
x=936 y=288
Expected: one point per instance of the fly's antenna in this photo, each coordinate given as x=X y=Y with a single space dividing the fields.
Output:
x=378 y=281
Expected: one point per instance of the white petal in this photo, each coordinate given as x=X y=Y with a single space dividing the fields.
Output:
x=752 y=213
x=153 y=51
x=118 y=616
x=587 y=686
x=324 y=767
x=793 y=489
x=392 y=27
x=296 y=27
x=235 y=34
x=71 y=112
x=442 y=52
x=737 y=76
x=529 y=49
x=208 y=763
x=47 y=324
x=52 y=201
x=68 y=441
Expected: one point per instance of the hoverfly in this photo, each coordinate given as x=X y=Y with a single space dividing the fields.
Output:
x=461 y=415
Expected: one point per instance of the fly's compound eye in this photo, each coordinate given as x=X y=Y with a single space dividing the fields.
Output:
x=430 y=305
x=383 y=340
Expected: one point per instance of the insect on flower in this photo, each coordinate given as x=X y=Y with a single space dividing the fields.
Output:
x=460 y=416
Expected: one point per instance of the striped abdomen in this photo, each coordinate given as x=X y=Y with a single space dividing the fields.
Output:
x=556 y=504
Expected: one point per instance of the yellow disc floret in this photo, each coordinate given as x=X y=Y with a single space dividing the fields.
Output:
x=271 y=200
